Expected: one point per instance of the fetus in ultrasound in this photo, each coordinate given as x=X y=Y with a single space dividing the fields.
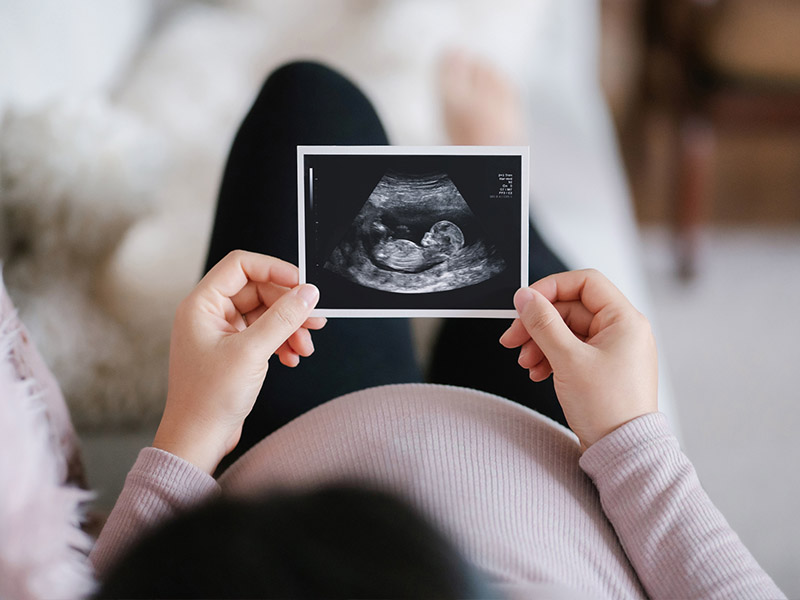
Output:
x=438 y=244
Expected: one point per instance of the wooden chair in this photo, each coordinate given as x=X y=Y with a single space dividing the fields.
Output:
x=714 y=66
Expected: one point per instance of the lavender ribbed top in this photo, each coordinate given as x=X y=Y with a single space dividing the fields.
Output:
x=628 y=519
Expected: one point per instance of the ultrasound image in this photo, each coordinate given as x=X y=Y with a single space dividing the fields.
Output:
x=415 y=234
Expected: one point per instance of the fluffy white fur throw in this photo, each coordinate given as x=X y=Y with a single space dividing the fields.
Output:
x=74 y=177
x=42 y=547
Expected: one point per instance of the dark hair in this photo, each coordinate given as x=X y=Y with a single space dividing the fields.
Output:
x=341 y=541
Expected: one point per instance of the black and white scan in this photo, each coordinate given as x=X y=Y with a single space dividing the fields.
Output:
x=415 y=234
x=393 y=231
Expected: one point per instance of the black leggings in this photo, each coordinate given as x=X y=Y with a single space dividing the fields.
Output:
x=307 y=103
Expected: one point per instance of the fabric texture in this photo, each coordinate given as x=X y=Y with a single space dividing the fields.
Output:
x=503 y=482
x=42 y=547
x=650 y=492
x=158 y=486
x=28 y=365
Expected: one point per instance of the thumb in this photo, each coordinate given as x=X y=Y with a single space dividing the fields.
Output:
x=545 y=326
x=282 y=319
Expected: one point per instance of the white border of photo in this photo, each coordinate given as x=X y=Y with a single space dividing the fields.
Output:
x=522 y=151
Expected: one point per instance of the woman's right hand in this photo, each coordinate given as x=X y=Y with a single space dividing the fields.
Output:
x=600 y=349
x=247 y=308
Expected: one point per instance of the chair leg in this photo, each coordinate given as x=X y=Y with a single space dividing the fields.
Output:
x=695 y=173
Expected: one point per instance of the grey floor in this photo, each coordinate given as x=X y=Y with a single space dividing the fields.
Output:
x=732 y=339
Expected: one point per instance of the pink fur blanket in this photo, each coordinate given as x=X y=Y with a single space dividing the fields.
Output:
x=43 y=551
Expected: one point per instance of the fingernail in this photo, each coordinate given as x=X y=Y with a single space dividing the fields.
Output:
x=521 y=299
x=308 y=293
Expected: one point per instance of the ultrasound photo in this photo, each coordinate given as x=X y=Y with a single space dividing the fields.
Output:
x=393 y=231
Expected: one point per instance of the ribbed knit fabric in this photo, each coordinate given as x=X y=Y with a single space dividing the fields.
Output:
x=158 y=486
x=503 y=482
x=679 y=543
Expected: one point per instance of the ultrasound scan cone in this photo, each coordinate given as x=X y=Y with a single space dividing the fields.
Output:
x=415 y=234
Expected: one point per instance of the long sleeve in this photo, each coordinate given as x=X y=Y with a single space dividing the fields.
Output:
x=157 y=487
x=679 y=543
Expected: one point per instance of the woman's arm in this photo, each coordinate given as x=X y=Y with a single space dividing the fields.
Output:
x=602 y=355
x=679 y=543
x=247 y=308
x=157 y=487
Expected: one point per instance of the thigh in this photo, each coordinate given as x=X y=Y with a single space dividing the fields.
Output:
x=302 y=103
x=467 y=352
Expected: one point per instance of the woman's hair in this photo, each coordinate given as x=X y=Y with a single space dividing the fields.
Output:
x=340 y=541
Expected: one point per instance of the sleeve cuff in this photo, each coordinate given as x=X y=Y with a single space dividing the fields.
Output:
x=185 y=482
x=638 y=436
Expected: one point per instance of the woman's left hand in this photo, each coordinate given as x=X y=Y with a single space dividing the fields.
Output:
x=247 y=308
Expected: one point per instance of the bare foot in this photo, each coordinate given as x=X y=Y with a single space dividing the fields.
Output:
x=481 y=106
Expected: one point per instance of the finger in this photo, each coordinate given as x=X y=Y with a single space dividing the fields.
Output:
x=232 y=273
x=255 y=294
x=577 y=317
x=300 y=342
x=287 y=357
x=515 y=336
x=254 y=314
x=247 y=298
x=545 y=326
x=530 y=355
x=282 y=319
x=588 y=286
x=285 y=348
x=315 y=323
x=566 y=291
x=238 y=320
x=541 y=371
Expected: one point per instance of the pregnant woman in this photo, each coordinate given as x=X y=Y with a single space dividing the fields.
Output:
x=523 y=507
